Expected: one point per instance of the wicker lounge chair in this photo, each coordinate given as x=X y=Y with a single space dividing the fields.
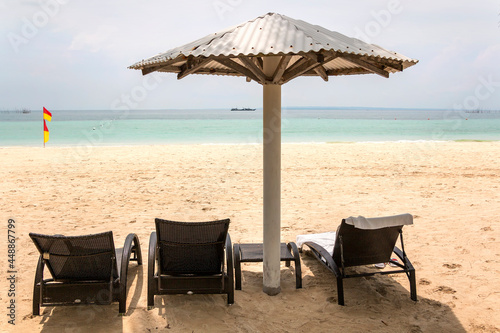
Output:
x=356 y=247
x=189 y=258
x=85 y=269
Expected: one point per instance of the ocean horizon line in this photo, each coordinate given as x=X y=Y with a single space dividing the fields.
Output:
x=291 y=107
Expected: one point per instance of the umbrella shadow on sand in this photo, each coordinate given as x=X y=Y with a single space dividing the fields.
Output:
x=381 y=302
x=376 y=304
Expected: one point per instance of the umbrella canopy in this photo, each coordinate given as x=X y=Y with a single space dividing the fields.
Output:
x=272 y=50
x=304 y=49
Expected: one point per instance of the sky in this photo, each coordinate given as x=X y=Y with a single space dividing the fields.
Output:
x=73 y=55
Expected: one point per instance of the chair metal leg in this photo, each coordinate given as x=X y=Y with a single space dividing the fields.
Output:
x=413 y=285
x=230 y=297
x=237 y=266
x=340 y=291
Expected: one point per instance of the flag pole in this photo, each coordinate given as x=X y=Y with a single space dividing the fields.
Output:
x=43 y=130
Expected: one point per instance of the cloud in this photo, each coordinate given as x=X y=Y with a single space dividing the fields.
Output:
x=487 y=57
x=94 y=41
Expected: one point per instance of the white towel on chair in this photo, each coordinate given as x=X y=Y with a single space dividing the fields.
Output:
x=361 y=222
x=326 y=240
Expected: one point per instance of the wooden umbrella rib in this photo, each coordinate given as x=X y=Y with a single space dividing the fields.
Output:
x=236 y=67
x=347 y=71
x=191 y=66
x=366 y=65
x=320 y=70
x=159 y=67
x=250 y=64
x=296 y=64
x=306 y=64
x=300 y=66
x=397 y=66
x=260 y=62
x=281 y=68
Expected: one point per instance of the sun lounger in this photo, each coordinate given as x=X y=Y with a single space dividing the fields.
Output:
x=360 y=241
x=190 y=257
x=85 y=269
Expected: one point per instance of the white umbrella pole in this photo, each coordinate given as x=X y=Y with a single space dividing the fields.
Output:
x=272 y=180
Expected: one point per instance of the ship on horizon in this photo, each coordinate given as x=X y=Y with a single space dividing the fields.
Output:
x=242 y=109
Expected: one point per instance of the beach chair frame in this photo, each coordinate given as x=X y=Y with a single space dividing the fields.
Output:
x=190 y=258
x=71 y=260
x=358 y=247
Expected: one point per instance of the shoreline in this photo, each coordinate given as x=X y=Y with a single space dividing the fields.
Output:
x=252 y=143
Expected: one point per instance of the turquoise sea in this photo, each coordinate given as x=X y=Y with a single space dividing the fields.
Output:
x=219 y=126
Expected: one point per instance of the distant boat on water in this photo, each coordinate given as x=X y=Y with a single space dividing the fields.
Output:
x=25 y=111
x=243 y=109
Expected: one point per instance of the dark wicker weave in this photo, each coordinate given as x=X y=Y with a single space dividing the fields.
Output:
x=190 y=257
x=356 y=247
x=85 y=269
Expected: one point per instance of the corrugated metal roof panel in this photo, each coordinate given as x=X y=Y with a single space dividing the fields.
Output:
x=274 y=34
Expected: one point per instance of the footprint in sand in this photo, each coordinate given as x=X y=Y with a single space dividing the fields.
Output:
x=415 y=329
x=452 y=266
x=432 y=303
x=382 y=290
x=424 y=282
x=461 y=250
x=445 y=289
x=331 y=300
x=486 y=229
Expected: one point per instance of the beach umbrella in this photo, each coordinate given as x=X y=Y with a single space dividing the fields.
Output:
x=272 y=50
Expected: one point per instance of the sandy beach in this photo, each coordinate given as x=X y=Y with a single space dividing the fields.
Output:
x=451 y=189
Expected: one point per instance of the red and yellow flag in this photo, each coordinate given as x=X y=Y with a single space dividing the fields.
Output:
x=46 y=114
x=45 y=132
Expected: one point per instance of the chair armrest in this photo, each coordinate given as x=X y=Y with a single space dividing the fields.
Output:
x=131 y=241
x=37 y=290
x=403 y=258
x=324 y=257
x=230 y=260
x=152 y=259
x=295 y=251
x=292 y=247
x=39 y=270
